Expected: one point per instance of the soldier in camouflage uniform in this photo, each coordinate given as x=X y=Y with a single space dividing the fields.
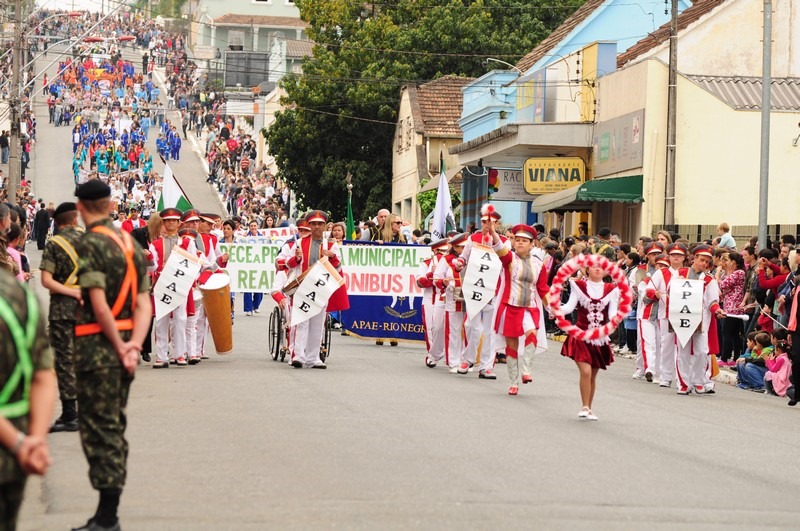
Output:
x=26 y=400
x=602 y=246
x=109 y=333
x=60 y=276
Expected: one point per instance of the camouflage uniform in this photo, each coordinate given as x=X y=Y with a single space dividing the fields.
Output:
x=103 y=383
x=12 y=479
x=63 y=309
x=604 y=247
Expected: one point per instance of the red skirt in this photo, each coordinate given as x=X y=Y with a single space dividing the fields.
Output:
x=510 y=318
x=599 y=357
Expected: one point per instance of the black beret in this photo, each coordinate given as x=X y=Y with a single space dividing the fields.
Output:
x=93 y=189
x=64 y=207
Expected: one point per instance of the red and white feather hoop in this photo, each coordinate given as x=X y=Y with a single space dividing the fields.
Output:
x=570 y=268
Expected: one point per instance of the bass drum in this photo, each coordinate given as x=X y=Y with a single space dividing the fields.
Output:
x=217 y=303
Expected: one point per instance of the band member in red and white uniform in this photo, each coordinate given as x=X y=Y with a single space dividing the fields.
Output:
x=658 y=289
x=282 y=276
x=521 y=311
x=692 y=366
x=647 y=356
x=479 y=329
x=448 y=283
x=173 y=326
x=197 y=324
x=307 y=336
x=434 y=339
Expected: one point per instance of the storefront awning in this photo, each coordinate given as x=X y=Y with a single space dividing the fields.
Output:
x=618 y=189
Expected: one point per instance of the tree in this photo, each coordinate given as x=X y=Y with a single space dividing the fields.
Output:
x=343 y=108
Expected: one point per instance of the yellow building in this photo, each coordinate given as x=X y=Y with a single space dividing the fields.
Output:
x=427 y=126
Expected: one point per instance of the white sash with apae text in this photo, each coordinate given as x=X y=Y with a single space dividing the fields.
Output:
x=480 y=278
x=175 y=282
x=314 y=291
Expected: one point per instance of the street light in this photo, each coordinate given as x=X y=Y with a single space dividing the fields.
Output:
x=487 y=60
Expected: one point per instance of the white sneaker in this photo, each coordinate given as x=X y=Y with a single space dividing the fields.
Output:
x=591 y=416
x=454 y=370
x=638 y=375
x=583 y=413
x=664 y=383
x=624 y=350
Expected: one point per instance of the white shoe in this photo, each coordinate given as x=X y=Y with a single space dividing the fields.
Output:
x=591 y=416
x=664 y=383
x=583 y=413
x=638 y=375
x=624 y=350
x=454 y=370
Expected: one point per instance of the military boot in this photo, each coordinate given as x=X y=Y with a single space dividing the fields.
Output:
x=68 y=421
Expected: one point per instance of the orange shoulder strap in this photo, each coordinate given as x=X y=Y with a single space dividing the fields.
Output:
x=130 y=282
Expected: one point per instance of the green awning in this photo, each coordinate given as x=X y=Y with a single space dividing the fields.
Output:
x=618 y=189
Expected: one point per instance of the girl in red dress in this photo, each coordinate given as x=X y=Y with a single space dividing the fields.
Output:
x=596 y=301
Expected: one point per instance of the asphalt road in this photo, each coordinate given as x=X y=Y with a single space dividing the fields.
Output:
x=379 y=441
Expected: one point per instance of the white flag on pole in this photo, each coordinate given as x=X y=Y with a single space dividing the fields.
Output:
x=443 y=209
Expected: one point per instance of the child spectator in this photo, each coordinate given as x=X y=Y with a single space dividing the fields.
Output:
x=754 y=367
x=779 y=368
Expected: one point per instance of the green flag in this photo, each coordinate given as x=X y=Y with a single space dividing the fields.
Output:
x=351 y=225
x=172 y=195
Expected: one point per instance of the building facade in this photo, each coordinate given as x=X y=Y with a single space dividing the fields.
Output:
x=427 y=128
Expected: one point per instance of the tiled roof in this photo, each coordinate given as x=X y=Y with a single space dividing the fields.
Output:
x=439 y=103
x=558 y=34
x=744 y=93
x=685 y=19
x=232 y=19
x=299 y=48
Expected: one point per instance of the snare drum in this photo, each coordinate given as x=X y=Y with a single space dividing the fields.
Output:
x=292 y=285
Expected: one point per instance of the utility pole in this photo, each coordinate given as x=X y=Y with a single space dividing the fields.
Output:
x=14 y=167
x=766 y=108
x=672 y=121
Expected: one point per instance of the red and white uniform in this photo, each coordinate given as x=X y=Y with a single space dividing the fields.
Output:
x=307 y=336
x=434 y=325
x=281 y=278
x=521 y=310
x=447 y=279
x=424 y=278
x=482 y=341
x=172 y=326
x=648 y=356
x=660 y=283
x=693 y=369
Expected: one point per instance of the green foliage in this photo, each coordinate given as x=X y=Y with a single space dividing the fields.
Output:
x=342 y=110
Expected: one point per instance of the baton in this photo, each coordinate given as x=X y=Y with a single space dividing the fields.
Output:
x=775 y=320
x=743 y=317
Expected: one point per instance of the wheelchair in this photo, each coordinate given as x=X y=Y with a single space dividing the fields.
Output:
x=278 y=344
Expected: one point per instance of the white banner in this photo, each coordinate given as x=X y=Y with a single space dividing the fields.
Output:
x=480 y=278
x=685 y=307
x=312 y=295
x=379 y=270
x=175 y=282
